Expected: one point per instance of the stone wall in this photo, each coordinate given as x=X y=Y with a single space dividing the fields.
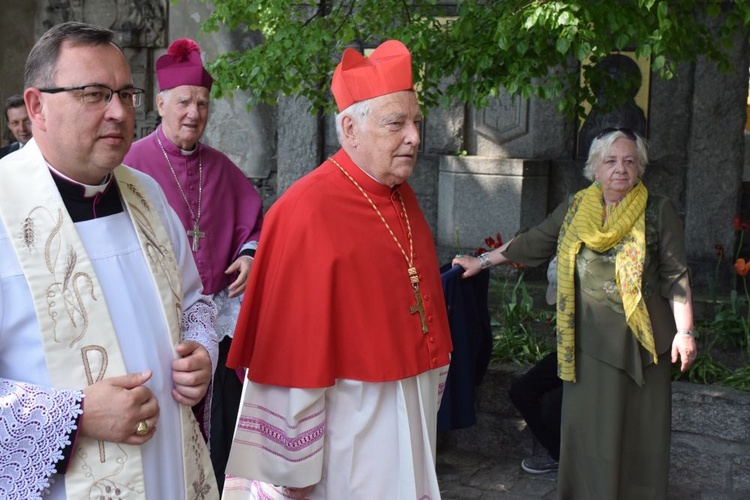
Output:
x=462 y=180
x=710 y=456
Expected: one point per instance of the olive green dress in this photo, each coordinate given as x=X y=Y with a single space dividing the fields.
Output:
x=616 y=419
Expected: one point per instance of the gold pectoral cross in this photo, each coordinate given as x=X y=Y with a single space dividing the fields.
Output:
x=196 y=234
x=419 y=308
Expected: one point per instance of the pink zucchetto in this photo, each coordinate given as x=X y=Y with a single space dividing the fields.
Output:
x=182 y=65
x=358 y=78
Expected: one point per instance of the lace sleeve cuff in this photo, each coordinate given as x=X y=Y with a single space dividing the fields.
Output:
x=35 y=427
x=199 y=325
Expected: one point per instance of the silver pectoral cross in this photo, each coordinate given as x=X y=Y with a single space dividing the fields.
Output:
x=196 y=234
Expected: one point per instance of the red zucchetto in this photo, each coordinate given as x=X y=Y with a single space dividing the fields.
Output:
x=358 y=78
x=182 y=65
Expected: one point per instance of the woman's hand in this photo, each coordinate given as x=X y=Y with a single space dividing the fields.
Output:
x=470 y=263
x=684 y=346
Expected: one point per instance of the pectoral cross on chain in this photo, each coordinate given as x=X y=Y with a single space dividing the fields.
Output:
x=419 y=308
x=196 y=234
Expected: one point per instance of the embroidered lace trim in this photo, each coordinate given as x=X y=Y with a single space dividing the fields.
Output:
x=229 y=310
x=199 y=325
x=35 y=424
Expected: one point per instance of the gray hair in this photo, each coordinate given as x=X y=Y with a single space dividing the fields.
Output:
x=358 y=111
x=601 y=144
x=41 y=65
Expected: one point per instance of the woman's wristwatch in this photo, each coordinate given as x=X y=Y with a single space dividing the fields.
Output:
x=691 y=332
x=484 y=260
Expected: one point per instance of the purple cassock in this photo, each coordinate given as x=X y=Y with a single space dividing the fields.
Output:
x=229 y=206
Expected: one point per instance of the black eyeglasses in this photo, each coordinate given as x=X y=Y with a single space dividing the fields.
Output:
x=610 y=130
x=101 y=94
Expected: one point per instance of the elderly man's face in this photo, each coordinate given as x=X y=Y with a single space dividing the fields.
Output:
x=388 y=137
x=84 y=140
x=19 y=124
x=184 y=113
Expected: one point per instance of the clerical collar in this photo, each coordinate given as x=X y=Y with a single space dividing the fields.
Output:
x=85 y=202
x=183 y=152
x=89 y=191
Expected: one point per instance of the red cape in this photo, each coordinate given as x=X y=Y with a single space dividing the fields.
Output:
x=329 y=292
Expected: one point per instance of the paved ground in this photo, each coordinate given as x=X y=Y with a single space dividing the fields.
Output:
x=466 y=475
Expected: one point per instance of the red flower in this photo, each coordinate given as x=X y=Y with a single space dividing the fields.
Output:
x=741 y=225
x=492 y=243
x=742 y=267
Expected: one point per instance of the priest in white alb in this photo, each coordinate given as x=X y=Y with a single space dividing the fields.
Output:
x=106 y=342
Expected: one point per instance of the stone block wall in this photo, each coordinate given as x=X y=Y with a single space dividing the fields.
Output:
x=477 y=191
x=695 y=131
x=710 y=456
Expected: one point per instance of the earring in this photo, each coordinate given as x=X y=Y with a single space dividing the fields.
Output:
x=597 y=184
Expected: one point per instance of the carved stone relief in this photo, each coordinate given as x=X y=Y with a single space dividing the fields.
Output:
x=138 y=23
x=505 y=118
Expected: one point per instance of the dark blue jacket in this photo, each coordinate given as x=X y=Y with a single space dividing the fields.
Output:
x=469 y=321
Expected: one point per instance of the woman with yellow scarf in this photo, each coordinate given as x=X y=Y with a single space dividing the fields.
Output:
x=624 y=311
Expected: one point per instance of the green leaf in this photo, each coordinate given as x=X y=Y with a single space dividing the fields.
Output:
x=563 y=45
x=528 y=47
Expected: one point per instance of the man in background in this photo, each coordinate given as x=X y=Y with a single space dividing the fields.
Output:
x=218 y=206
x=537 y=395
x=18 y=122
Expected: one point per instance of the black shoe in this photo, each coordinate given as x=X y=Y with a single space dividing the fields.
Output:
x=539 y=464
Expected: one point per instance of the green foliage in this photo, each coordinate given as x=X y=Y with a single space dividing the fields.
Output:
x=467 y=51
x=739 y=379
x=704 y=370
x=725 y=334
x=730 y=325
x=523 y=334
x=520 y=333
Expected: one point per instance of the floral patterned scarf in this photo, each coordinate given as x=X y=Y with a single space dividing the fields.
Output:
x=624 y=229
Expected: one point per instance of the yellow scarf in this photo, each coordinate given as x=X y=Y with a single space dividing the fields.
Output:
x=625 y=228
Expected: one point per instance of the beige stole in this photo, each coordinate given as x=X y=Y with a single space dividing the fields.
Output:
x=80 y=343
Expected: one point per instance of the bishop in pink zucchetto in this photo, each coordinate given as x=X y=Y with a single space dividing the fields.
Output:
x=220 y=211
x=182 y=65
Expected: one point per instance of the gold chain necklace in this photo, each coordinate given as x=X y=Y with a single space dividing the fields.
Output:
x=413 y=276
x=196 y=232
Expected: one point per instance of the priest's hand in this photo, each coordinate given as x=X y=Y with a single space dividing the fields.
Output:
x=114 y=407
x=191 y=373
x=242 y=265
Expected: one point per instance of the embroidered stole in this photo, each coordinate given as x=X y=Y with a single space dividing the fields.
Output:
x=80 y=343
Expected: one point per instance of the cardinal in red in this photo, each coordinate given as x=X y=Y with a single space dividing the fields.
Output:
x=344 y=328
